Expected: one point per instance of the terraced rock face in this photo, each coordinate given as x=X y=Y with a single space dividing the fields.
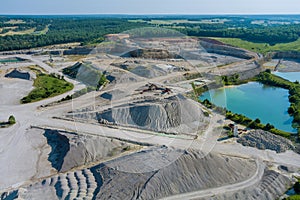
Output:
x=73 y=185
x=41 y=153
x=150 y=53
x=149 y=174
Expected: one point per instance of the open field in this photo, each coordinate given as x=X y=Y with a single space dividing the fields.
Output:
x=11 y=32
x=33 y=31
x=15 y=21
x=261 y=47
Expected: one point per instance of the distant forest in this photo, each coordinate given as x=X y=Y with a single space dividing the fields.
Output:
x=14 y=34
x=61 y=30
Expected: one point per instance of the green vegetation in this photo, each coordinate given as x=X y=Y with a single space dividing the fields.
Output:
x=297 y=191
x=38 y=31
x=23 y=32
x=232 y=80
x=102 y=81
x=293 y=197
x=261 y=47
x=245 y=28
x=47 y=85
x=294 y=91
x=269 y=35
x=297 y=187
x=228 y=131
x=199 y=90
x=11 y=120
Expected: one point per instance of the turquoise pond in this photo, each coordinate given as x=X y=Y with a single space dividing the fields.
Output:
x=291 y=76
x=254 y=100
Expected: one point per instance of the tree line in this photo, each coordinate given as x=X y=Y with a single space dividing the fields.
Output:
x=270 y=35
x=87 y=30
x=63 y=30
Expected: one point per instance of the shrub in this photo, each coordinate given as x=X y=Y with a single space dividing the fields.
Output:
x=297 y=187
x=11 y=120
x=293 y=197
x=268 y=71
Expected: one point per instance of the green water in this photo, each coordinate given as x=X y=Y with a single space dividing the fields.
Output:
x=9 y=60
x=254 y=100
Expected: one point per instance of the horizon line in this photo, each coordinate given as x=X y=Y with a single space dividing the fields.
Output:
x=145 y=14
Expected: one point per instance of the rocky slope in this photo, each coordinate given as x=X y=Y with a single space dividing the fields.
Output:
x=213 y=47
x=149 y=174
x=266 y=140
x=69 y=150
x=272 y=186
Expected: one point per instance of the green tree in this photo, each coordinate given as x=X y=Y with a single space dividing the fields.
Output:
x=297 y=187
x=268 y=71
x=11 y=120
x=102 y=80
x=257 y=121
x=268 y=127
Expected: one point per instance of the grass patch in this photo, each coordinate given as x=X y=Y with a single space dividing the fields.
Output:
x=293 y=197
x=28 y=31
x=15 y=21
x=47 y=85
x=261 y=47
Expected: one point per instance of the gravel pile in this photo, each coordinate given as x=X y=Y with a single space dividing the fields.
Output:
x=151 y=173
x=266 y=140
x=271 y=186
x=172 y=115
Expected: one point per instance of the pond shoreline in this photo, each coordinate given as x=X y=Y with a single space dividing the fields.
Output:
x=254 y=79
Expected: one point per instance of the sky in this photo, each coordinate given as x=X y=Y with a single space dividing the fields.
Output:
x=149 y=7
